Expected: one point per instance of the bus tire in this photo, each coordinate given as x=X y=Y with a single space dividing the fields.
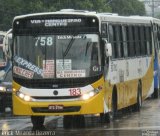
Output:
x=113 y=113
x=37 y=122
x=138 y=105
x=79 y=121
x=104 y=118
x=155 y=94
x=67 y=121
x=73 y=121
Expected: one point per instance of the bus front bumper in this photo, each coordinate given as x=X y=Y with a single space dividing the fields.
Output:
x=93 y=105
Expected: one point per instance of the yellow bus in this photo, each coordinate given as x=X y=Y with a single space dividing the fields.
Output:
x=73 y=63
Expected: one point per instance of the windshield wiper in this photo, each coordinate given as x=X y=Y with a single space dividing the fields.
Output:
x=68 y=47
x=64 y=54
x=87 y=47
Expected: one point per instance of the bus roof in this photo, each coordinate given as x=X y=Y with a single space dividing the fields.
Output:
x=109 y=17
x=123 y=19
x=64 y=12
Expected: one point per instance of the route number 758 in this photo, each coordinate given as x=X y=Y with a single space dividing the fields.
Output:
x=42 y=41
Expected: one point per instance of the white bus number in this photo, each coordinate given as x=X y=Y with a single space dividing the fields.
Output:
x=44 y=41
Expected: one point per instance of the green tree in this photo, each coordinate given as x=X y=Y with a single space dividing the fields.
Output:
x=8 y=9
x=11 y=8
x=128 y=7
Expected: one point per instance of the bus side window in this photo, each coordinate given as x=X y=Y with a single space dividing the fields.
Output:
x=125 y=45
x=121 y=42
x=104 y=30
x=134 y=40
x=111 y=37
x=114 y=42
x=142 y=40
x=127 y=41
x=148 y=40
x=118 y=41
x=131 y=49
x=145 y=40
x=137 y=41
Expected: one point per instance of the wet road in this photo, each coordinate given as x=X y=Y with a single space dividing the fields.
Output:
x=143 y=123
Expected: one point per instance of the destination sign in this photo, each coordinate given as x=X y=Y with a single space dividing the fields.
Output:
x=56 y=22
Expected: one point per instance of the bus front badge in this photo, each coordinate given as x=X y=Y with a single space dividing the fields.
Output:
x=55 y=92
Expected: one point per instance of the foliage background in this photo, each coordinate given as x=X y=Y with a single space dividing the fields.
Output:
x=11 y=8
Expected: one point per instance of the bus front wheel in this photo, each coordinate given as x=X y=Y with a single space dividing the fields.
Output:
x=104 y=117
x=73 y=121
x=37 y=122
x=67 y=121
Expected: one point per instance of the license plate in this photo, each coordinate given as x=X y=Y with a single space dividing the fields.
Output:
x=55 y=107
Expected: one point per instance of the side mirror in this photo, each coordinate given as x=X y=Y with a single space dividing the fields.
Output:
x=108 y=49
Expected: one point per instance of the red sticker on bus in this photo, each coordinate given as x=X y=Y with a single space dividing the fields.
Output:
x=23 y=72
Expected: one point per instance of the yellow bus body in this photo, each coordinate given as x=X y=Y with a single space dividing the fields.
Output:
x=91 y=106
x=126 y=91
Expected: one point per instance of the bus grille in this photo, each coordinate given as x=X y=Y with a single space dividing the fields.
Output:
x=56 y=83
x=55 y=97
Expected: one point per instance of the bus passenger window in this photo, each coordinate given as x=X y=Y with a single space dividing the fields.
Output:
x=111 y=36
x=148 y=40
x=137 y=41
x=121 y=42
x=104 y=30
x=118 y=41
x=131 y=48
x=143 y=51
x=125 y=45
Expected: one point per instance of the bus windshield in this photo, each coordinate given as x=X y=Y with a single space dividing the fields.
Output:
x=57 y=56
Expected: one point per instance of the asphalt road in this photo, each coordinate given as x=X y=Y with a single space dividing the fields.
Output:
x=143 y=123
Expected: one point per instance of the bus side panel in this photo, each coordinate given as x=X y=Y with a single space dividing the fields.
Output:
x=127 y=89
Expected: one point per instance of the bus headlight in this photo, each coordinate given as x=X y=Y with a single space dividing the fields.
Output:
x=24 y=96
x=90 y=94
